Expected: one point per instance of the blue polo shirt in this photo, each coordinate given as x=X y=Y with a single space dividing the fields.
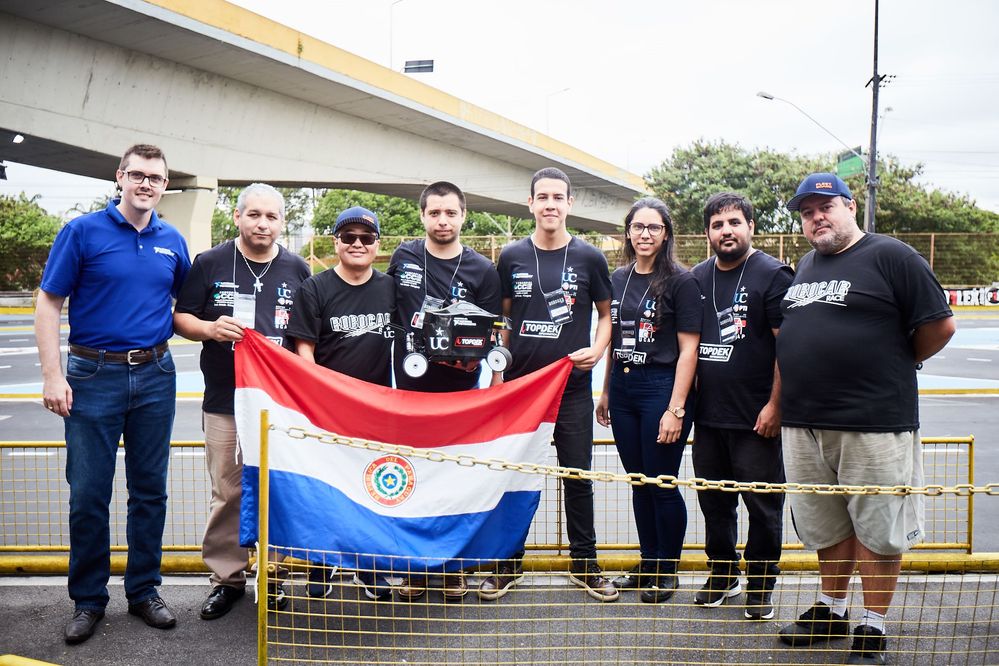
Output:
x=120 y=282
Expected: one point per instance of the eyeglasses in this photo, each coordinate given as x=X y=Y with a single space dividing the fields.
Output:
x=349 y=238
x=638 y=229
x=137 y=177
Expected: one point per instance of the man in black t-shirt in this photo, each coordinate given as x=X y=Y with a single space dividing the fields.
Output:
x=862 y=312
x=249 y=282
x=551 y=282
x=434 y=272
x=342 y=322
x=738 y=414
x=438 y=271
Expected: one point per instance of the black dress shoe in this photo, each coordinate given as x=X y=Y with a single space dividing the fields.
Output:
x=154 y=612
x=82 y=626
x=220 y=601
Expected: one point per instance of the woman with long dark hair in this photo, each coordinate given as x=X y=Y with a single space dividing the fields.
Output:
x=647 y=397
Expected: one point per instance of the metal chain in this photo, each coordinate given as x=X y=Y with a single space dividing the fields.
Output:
x=636 y=479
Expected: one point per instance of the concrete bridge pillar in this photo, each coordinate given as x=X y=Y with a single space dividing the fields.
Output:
x=188 y=207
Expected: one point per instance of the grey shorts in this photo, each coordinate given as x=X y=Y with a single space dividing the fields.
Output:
x=885 y=524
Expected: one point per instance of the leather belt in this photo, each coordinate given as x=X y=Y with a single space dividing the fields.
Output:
x=132 y=356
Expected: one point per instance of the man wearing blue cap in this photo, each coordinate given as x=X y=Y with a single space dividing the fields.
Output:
x=860 y=316
x=339 y=322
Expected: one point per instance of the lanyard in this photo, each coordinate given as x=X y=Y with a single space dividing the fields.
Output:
x=426 y=273
x=537 y=263
x=714 y=303
x=624 y=294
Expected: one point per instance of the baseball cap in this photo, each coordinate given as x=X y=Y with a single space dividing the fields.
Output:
x=357 y=215
x=828 y=184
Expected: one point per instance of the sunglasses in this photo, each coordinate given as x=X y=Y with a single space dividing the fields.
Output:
x=349 y=238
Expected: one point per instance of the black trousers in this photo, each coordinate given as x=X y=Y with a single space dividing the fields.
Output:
x=573 y=438
x=740 y=455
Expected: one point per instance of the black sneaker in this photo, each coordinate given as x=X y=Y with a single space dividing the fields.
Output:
x=630 y=580
x=498 y=584
x=717 y=589
x=868 y=646
x=320 y=586
x=588 y=575
x=818 y=623
x=375 y=586
x=277 y=600
x=759 y=606
x=658 y=588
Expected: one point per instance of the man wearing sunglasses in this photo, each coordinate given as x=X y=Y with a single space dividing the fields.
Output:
x=121 y=268
x=340 y=321
x=248 y=282
x=436 y=272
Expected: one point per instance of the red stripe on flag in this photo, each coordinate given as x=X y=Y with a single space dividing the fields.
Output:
x=347 y=406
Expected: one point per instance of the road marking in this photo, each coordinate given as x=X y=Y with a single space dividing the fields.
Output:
x=18 y=340
x=5 y=367
x=190 y=454
x=31 y=454
x=183 y=355
x=979 y=360
x=4 y=417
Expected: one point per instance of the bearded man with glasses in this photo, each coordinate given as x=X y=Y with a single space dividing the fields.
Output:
x=121 y=267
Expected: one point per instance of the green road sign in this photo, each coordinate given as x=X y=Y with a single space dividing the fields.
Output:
x=849 y=163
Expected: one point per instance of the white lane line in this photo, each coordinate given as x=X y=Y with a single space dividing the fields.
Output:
x=979 y=360
x=31 y=454
x=190 y=454
x=4 y=417
x=18 y=340
x=183 y=355
x=5 y=367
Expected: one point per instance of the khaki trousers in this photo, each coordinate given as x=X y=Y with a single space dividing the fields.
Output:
x=220 y=548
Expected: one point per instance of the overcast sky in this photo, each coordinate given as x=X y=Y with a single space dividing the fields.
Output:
x=630 y=81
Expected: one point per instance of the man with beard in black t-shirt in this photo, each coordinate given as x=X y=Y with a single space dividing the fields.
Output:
x=341 y=321
x=738 y=415
x=248 y=282
x=436 y=272
x=862 y=313
x=551 y=282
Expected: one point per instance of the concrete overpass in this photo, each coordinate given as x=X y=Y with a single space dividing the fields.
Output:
x=234 y=98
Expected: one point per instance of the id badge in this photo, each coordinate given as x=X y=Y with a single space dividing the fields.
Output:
x=429 y=303
x=245 y=309
x=628 y=337
x=559 y=309
x=727 y=331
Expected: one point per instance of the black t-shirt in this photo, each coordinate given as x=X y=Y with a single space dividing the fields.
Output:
x=735 y=363
x=209 y=292
x=845 y=357
x=331 y=313
x=643 y=327
x=580 y=270
x=468 y=277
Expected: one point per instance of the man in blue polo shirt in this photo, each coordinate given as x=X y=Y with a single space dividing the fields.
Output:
x=120 y=268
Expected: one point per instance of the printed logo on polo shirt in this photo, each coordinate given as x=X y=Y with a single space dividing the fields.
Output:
x=540 y=329
x=163 y=250
x=359 y=322
x=833 y=292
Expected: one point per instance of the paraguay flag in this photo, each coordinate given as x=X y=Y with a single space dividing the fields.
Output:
x=351 y=501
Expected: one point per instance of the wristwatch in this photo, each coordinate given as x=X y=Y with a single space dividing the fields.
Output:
x=678 y=411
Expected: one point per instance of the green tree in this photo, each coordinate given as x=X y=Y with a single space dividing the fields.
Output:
x=396 y=216
x=298 y=204
x=26 y=235
x=769 y=178
x=692 y=174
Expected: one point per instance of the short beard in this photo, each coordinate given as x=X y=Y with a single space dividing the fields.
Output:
x=831 y=243
x=732 y=256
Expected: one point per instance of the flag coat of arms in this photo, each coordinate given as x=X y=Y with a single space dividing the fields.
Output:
x=398 y=512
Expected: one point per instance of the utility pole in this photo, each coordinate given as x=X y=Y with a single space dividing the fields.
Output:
x=872 y=159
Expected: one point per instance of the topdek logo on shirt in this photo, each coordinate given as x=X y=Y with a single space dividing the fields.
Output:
x=163 y=250
x=833 y=292
x=540 y=329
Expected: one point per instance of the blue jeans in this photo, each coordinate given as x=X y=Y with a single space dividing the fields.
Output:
x=637 y=401
x=110 y=401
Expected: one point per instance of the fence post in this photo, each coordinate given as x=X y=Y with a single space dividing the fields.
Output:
x=933 y=247
x=263 y=539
